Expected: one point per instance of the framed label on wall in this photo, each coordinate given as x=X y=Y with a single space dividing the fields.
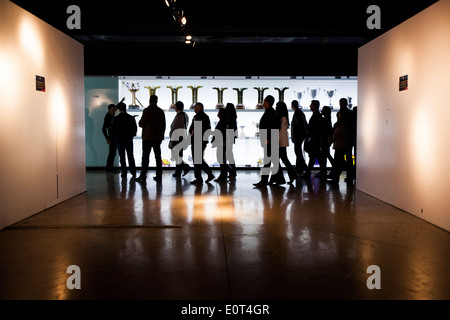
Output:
x=40 y=83
x=403 y=83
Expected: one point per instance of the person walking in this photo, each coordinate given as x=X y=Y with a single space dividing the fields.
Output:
x=278 y=178
x=198 y=145
x=298 y=135
x=313 y=143
x=269 y=121
x=124 y=130
x=179 y=123
x=231 y=136
x=221 y=151
x=153 y=124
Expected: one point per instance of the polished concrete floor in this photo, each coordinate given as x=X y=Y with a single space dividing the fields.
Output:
x=231 y=241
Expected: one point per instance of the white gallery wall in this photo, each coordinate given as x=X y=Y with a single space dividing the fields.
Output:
x=42 y=136
x=403 y=136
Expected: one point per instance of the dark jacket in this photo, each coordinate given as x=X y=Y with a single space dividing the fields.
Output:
x=107 y=126
x=206 y=125
x=299 y=125
x=124 y=127
x=269 y=120
x=153 y=123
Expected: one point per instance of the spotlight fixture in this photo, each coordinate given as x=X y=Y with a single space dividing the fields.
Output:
x=170 y=3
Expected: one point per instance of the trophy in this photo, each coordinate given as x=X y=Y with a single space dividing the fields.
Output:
x=152 y=90
x=330 y=95
x=350 y=105
x=220 y=97
x=257 y=128
x=299 y=96
x=194 y=95
x=260 y=97
x=240 y=94
x=242 y=134
x=313 y=92
x=133 y=91
x=174 y=95
x=281 y=93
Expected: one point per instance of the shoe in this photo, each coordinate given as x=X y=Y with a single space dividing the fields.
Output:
x=176 y=175
x=197 y=182
x=260 y=184
x=186 y=169
x=232 y=178
x=141 y=179
x=210 y=178
x=219 y=179
x=157 y=178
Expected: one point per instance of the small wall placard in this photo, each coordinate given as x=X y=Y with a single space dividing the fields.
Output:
x=403 y=83
x=40 y=83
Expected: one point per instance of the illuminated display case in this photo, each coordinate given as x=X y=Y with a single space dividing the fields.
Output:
x=247 y=92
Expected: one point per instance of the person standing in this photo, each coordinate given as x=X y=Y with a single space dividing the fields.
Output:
x=278 y=178
x=179 y=123
x=298 y=135
x=107 y=132
x=153 y=124
x=124 y=130
x=200 y=120
x=313 y=143
x=327 y=134
x=269 y=121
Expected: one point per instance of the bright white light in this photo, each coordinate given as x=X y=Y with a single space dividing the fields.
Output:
x=183 y=21
x=31 y=41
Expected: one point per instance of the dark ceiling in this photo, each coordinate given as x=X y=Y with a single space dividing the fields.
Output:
x=245 y=37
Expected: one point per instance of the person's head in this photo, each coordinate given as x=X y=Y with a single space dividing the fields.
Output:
x=153 y=99
x=179 y=106
x=231 y=110
x=294 y=105
x=121 y=106
x=315 y=105
x=268 y=101
x=343 y=103
x=198 y=107
x=222 y=113
x=112 y=108
x=326 y=111
x=281 y=109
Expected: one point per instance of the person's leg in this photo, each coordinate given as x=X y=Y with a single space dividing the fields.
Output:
x=157 y=150
x=146 y=148
x=122 y=158
x=130 y=153
x=112 y=150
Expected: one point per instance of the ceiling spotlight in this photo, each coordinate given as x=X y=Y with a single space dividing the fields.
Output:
x=170 y=3
x=183 y=21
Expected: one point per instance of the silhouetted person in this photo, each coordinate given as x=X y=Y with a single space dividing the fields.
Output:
x=107 y=132
x=327 y=134
x=221 y=152
x=124 y=130
x=153 y=124
x=180 y=122
x=232 y=124
x=268 y=122
x=313 y=143
x=278 y=178
x=342 y=146
x=348 y=116
x=201 y=118
x=298 y=135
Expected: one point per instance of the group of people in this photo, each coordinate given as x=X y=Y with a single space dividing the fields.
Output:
x=314 y=137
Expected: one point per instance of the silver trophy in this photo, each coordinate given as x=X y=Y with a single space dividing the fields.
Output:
x=313 y=92
x=330 y=94
x=299 y=96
